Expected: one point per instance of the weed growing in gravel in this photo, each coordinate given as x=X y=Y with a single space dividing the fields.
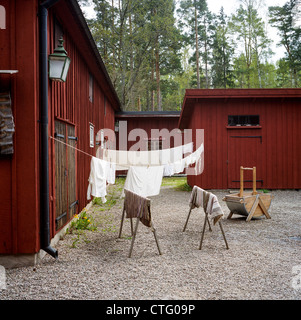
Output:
x=77 y=239
x=102 y=214
x=82 y=222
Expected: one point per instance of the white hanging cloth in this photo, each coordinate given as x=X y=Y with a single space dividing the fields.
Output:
x=144 y=181
x=101 y=173
x=97 y=179
x=126 y=159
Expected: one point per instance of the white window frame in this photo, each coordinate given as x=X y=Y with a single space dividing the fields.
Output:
x=2 y=18
x=91 y=126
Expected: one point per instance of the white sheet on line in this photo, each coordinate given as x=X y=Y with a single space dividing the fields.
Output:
x=143 y=180
x=125 y=159
x=97 y=179
x=101 y=173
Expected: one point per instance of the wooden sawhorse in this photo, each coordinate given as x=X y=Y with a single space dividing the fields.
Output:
x=204 y=228
x=134 y=232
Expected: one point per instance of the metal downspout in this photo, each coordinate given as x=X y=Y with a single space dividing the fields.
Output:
x=44 y=172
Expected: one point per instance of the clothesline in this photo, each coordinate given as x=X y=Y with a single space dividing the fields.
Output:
x=144 y=179
x=169 y=167
x=69 y=145
x=158 y=155
x=127 y=158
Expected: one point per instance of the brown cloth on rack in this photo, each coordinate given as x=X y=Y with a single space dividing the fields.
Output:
x=207 y=200
x=136 y=206
x=199 y=198
x=206 y=196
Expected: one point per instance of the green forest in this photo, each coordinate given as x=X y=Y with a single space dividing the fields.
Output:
x=155 y=49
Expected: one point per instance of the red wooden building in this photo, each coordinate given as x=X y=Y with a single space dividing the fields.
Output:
x=246 y=127
x=160 y=130
x=38 y=173
x=148 y=121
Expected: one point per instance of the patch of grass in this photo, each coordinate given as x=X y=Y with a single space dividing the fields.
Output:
x=173 y=181
x=265 y=191
x=104 y=206
x=119 y=183
x=105 y=219
x=178 y=183
x=184 y=187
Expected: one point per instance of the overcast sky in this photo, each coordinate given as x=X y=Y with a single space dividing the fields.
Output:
x=230 y=7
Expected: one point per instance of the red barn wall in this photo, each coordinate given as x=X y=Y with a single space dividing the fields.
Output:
x=19 y=200
x=149 y=122
x=68 y=102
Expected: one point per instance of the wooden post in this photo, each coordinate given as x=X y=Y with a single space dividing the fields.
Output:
x=254 y=181
x=157 y=242
x=121 y=223
x=132 y=229
x=187 y=219
x=254 y=206
x=204 y=228
x=223 y=233
x=241 y=191
x=134 y=237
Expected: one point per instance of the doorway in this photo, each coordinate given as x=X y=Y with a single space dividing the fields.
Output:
x=65 y=173
x=244 y=149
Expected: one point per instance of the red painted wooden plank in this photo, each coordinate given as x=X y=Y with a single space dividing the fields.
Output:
x=5 y=207
x=27 y=127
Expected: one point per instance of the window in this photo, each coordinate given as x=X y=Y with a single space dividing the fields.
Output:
x=2 y=18
x=243 y=120
x=154 y=145
x=91 y=135
x=91 y=87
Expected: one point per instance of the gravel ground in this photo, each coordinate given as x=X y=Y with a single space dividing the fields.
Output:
x=260 y=263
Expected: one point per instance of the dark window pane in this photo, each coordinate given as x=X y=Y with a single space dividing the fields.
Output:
x=243 y=120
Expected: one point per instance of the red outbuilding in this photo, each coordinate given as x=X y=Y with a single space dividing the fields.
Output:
x=246 y=127
x=154 y=124
x=43 y=181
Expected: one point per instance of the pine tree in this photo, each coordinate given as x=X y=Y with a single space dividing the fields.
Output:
x=283 y=19
x=167 y=42
x=196 y=19
x=223 y=50
x=250 y=31
x=138 y=42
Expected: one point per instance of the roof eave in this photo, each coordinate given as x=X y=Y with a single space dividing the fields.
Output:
x=193 y=96
x=85 y=28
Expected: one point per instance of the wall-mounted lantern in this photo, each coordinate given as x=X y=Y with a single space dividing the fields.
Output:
x=59 y=63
